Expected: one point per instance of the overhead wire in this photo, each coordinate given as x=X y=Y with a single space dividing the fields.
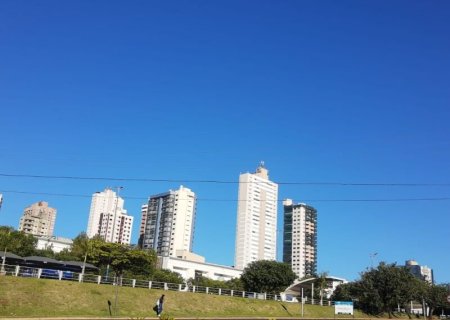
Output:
x=237 y=200
x=223 y=181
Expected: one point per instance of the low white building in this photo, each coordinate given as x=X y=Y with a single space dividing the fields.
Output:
x=56 y=244
x=196 y=266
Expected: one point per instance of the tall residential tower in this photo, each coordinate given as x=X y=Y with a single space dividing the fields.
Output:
x=108 y=218
x=300 y=238
x=256 y=237
x=38 y=219
x=167 y=223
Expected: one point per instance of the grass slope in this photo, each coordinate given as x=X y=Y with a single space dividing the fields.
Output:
x=26 y=297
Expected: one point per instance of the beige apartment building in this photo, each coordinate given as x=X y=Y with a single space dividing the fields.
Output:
x=38 y=219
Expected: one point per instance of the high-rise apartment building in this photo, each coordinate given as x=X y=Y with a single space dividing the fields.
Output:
x=256 y=237
x=421 y=272
x=108 y=218
x=167 y=222
x=38 y=219
x=300 y=238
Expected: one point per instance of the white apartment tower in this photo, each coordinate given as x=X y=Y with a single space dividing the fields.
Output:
x=256 y=237
x=167 y=222
x=300 y=238
x=108 y=218
x=38 y=219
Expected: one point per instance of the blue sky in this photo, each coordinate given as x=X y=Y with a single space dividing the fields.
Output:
x=322 y=91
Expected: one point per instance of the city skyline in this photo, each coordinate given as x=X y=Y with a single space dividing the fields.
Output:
x=346 y=102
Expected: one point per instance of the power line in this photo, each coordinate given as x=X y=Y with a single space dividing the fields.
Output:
x=236 y=200
x=223 y=181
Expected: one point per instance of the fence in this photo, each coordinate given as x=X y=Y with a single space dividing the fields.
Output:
x=40 y=273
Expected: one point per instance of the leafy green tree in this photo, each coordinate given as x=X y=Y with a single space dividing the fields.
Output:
x=17 y=242
x=65 y=255
x=436 y=297
x=120 y=258
x=346 y=292
x=47 y=252
x=267 y=276
x=233 y=284
x=382 y=289
x=321 y=283
x=168 y=276
x=80 y=247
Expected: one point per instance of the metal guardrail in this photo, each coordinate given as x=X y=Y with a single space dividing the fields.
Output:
x=23 y=271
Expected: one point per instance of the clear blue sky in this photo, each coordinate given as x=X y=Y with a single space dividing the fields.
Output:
x=322 y=91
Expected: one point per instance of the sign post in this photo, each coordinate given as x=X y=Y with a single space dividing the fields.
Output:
x=343 y=307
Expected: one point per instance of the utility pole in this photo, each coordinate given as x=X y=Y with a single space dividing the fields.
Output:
x=2 y=270
x=372 y=256
x=115 y=213
x=118 y=278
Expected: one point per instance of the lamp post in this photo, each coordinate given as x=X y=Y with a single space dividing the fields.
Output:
x=115 y=212
x=2 y=270
x=118 y=277
x=85 y=258
x=372 y=256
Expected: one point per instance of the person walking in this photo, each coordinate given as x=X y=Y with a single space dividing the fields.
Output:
x=159 y=306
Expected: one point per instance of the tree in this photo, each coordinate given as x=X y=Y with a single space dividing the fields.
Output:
x=435 y=297
x=17 y=242
x=345 y=292
x=80 y=246
x=168 y=276
x=322 y=283
x=121 y=258
x=267 y=276
x=382 y=289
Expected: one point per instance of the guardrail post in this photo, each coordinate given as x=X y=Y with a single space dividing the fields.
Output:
x=99 y=279
x=193 y=288
x=243 y=294
x=149 y=284
x=254 y=295
x=220 y=291
x=39 y=273
x=60 y=274
x=133 y=283
x=179 y=287
x=17 y=270
x=231 y=293
x=80 y=277
x=207 y=290
x=165 y=286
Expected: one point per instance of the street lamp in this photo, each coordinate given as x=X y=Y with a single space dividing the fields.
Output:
x=372 y=256
x=2 y=270
x=115 y=212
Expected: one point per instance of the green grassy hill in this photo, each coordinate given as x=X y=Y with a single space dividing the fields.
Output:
x=29 y=297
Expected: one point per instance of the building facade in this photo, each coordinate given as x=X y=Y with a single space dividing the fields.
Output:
x=38 y=219
x=167 y=222
x=190 y=269
x=256 y=226
x=108 y=218
x=421 y=272
x=300 y=238
x=56 y=244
